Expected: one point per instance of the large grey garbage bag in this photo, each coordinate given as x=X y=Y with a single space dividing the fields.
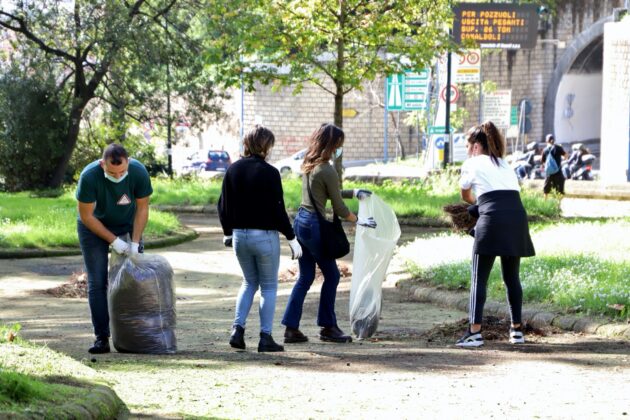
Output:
x=373 y=249
x=141 y=302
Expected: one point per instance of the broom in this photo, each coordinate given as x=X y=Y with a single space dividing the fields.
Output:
x=461 y=218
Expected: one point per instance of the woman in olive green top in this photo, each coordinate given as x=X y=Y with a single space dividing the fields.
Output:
x=323 y=180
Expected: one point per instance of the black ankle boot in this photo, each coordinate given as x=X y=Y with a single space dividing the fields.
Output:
x=237 y=338
x=334 y=334
x=101 y=345
x=266 y=343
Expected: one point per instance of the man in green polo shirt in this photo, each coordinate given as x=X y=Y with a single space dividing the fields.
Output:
x=113 y=200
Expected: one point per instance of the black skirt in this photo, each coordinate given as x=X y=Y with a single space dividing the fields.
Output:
x=502 y=228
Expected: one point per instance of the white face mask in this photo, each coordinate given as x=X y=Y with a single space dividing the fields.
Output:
x=116 y=180
x=338 y=152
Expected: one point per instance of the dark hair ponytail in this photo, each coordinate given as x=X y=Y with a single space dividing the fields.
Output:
x=490 y=139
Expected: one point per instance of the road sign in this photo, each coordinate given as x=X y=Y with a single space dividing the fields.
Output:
x=496 y=25
x=437 y=129
x=468 y=67
x=408 y=91
x=496 y=107
x=454 y=94
x=395 y=92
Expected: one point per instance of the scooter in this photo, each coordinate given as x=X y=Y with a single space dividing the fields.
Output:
x=580 y=165
x=582 y=170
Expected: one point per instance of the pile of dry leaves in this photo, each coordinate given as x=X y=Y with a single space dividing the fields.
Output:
x=290 y=274
x=493 y=328
x=76 y=287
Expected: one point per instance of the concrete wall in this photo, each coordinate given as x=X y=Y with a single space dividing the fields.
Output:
x=578 y=117
x=615 y=153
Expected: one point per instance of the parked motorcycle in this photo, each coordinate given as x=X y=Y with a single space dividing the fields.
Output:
x=529 y=164
x=579 y=166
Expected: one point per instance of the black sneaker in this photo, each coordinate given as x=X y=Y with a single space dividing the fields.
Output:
x=470 y=339
x=101 y=345
x=237 y=338
x=517 y=336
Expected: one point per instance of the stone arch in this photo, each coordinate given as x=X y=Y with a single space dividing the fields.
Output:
x=570 y=55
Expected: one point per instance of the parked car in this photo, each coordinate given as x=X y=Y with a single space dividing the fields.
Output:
x=292 y=164
x=217 y=160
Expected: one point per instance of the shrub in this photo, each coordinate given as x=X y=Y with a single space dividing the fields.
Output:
x=32 y=131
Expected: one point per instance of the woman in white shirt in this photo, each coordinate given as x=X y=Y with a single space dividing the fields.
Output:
x=488 y=182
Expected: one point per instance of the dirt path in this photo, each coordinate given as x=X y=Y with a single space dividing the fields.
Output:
x=399 y=374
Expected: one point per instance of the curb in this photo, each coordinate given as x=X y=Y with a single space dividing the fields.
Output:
x=99 y=402
x=537 y=317
x=182 y=235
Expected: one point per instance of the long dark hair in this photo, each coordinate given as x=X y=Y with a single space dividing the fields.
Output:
x=490 y=140
x=258 y=141
x=321 y=146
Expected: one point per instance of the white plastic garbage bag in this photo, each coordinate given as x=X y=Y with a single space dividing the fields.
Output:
x=373 y=250
x=141 y=302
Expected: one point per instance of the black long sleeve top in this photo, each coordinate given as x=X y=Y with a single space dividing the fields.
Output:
x=252 y=198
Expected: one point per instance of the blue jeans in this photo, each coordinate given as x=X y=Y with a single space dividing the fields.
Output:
x=95 y=252
x=258 y=253
x=306 y=226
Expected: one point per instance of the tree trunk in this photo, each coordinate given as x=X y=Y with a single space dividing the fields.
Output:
x=338 y=162
x=74 y=123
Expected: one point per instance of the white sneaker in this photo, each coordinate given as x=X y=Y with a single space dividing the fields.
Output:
x=516 y=336
x=470 y=339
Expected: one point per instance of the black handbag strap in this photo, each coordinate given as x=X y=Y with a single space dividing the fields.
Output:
x=310 y=196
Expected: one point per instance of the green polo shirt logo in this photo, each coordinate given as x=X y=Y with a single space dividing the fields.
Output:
x=124 y=200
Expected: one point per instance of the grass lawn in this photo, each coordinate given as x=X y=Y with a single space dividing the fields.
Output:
x=422 y=199
x=580 y=266
x=43 y=222
x=28 y=221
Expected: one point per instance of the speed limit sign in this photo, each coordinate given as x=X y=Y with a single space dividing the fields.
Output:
x=468 y=67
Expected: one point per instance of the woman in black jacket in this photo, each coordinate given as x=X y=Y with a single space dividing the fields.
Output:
x=252 y=212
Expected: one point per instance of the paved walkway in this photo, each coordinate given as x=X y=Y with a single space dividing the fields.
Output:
x=397 y=374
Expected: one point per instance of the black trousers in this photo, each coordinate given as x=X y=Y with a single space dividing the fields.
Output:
x=481 y=267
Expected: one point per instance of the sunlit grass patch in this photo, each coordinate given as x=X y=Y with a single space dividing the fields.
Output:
x=590 y=275
x=41 y=222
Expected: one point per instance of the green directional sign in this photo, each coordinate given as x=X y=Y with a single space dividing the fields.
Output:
x=408 y=91
x=438 y=129
x=514 y=115
x=416 y=90
x=395 y=84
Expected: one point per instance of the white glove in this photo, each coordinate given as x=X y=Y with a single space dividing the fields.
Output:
x=361 y=194
x=296 y=249
x=227 y=241
x=134 y=247
x=121 y=247
x=368 y=222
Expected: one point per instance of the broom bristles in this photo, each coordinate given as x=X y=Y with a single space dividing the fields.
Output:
x=461 y=220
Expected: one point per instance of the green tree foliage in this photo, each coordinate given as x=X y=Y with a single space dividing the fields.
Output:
x=119 y=55
x=335 y=44
x=32 y=126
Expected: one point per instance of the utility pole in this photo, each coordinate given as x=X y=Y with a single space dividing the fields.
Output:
x=447 y=123
x=169 y=122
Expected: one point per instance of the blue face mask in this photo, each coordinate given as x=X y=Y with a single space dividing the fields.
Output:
x=338 y=152
x=116 y=180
